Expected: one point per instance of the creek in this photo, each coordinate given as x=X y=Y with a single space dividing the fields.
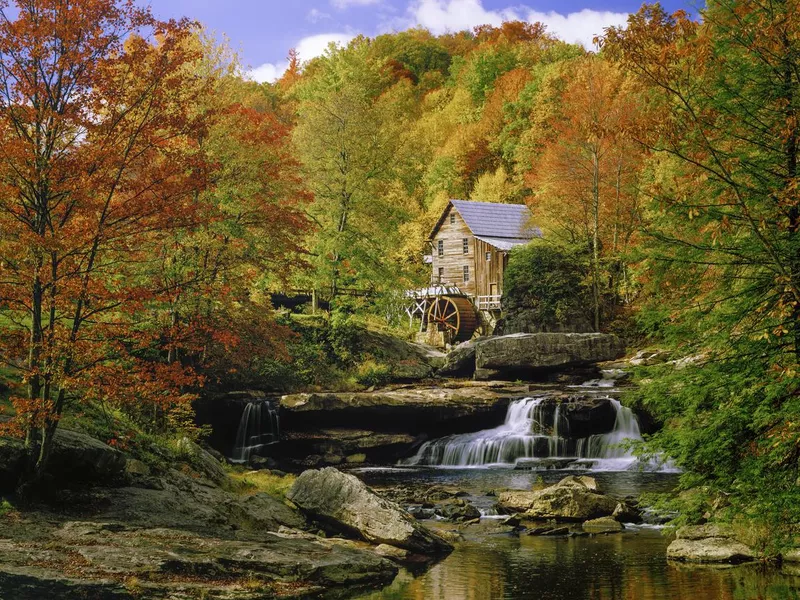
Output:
x=534 y=447
x=493 y=564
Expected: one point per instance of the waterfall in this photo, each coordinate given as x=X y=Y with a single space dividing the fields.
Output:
x=259 y=427
x=529 y=432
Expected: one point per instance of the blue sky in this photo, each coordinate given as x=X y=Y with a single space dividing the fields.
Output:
x=264 y=30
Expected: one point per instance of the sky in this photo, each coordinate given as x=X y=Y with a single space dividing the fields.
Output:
x=263 y=31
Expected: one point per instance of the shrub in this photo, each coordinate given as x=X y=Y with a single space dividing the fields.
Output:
x=371 y=373
x=547 y=283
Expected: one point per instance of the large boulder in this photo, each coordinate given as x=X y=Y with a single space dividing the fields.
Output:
x=527 y=353
x=202 y=461
x=572 y=499
x=460 y=361
x=711 y=543
x=77 y=457
x=343 y=502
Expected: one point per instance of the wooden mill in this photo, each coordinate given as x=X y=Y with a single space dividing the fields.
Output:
x=469 y=249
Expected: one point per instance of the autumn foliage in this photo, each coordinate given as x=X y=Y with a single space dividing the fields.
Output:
x=113 y=212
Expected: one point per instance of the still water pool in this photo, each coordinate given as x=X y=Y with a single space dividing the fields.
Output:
x=629 y=566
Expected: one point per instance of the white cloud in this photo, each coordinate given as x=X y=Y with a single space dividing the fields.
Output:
x=315 y=45
x=315 y=15
x=268 y=72
x=441 y=16
x=342 y=4
x=307 y=48
x=578 y=27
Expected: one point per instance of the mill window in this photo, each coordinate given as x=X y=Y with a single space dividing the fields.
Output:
x=440 y=247
x=452 y=218
x=488 y=256
x=465 y=243
x=466 y=273
x=441 y=274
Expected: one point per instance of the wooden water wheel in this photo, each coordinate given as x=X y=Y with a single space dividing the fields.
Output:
x=453 y=315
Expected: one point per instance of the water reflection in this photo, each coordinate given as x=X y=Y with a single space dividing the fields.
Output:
x=615 y=567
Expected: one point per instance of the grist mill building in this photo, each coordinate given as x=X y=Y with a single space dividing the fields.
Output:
x=470 y=245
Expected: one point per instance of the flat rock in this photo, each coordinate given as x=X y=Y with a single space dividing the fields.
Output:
x=708 y=530
x=432 y=410
x=519 y=353
x=709 y=550
x=345 y=503
x=602 y=525
x=85 y=559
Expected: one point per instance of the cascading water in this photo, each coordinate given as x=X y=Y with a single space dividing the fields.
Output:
x=258 y=428
x=532 y=431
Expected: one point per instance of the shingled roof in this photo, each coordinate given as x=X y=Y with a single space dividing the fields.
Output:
x=501 y=225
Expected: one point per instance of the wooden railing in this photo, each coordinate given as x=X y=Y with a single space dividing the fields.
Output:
x=488 y=302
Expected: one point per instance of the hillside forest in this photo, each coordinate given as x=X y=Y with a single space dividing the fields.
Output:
x=153 y=202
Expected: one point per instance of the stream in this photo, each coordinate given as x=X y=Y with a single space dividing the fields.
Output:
x=492 y=564
x=534 y=447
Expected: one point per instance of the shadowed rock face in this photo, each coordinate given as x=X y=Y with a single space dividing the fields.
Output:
x=344 y=503
x=525 y=354
x=438 y=410
x=76 y=457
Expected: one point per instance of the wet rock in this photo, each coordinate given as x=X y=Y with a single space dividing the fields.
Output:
x=572 y=499
x=521 y=353
x=548 y=530
x=581 y=482
x=791 y=555
x=392 y=552
x=542 y=464
x=343 y=502
x=420 y=513
x=602 y=525
x=709 y=543
x=458 y=510
x=709 y=550
x=624 y=513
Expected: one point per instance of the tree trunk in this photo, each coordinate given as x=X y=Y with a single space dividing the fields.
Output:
x=596 y=238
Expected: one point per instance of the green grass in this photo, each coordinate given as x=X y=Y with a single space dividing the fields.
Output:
x=248 y=483
x=6 y=507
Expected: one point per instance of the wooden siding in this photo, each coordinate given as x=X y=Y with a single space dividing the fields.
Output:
x=454 y=259
x=488 y=272
x=483 y=274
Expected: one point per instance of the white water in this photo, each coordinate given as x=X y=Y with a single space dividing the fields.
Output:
x=528 y=433
x=258 y=428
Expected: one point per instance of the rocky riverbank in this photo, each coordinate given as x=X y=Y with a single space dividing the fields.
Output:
x=190 y=531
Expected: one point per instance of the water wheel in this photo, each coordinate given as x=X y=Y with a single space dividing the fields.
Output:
x=453 y=315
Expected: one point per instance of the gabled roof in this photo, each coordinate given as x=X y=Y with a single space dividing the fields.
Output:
x=494 y=221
